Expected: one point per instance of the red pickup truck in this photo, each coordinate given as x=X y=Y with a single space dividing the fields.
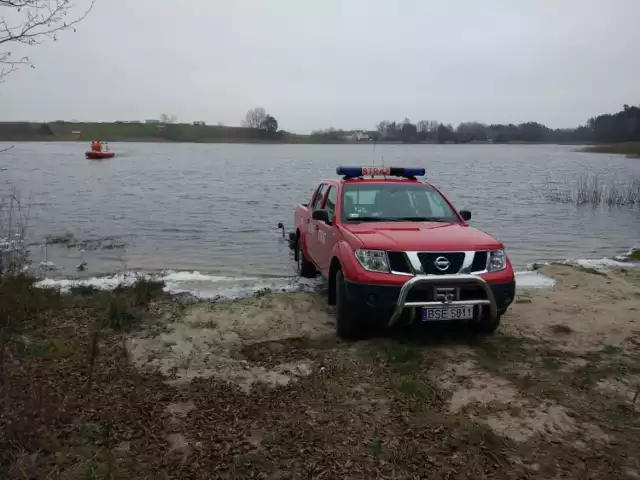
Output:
x=394 y=249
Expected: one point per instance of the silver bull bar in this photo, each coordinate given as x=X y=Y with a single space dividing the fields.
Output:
x=402 y=303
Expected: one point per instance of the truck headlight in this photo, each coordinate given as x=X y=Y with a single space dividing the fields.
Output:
x=373 y=260
x=497 y=260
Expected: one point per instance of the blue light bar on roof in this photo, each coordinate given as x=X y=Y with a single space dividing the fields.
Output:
x=351 y=172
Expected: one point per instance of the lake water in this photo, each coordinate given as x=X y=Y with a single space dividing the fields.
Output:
x=213 y=208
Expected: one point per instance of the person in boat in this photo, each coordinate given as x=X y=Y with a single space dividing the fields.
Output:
x=96 y=146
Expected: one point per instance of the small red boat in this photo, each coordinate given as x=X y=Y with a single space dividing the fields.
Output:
x=94 y=155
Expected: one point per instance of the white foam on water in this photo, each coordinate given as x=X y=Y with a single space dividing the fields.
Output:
x=196 y=284
x=210 y=287
x=101 y=283
x=602 y=263
x=627 y=256
x=533 y=279
x=171 y=276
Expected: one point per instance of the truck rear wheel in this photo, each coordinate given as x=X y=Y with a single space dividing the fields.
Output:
x=350 y=322
x=306 y=269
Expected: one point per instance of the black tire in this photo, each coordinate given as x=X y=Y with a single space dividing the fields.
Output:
x=486 y=326
x=306 y=269
x=350 y=322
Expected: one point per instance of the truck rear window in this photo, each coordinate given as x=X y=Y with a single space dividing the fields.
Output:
x=395 y=202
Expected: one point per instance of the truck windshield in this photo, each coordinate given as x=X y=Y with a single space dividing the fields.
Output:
x=389 y=202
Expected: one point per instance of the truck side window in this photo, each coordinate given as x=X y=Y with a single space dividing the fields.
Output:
x=330 y=203
x=318 y=198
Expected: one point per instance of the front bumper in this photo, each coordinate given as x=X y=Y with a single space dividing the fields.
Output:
x=419 y=291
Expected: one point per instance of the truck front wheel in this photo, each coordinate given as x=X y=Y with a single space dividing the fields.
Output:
x=350 y=322
x=306 y=269
x=485 y=325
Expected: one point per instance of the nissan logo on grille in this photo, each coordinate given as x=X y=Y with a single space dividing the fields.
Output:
x=442 y=263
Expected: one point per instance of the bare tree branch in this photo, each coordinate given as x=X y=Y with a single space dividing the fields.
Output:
x=254 y=118
x=30 y=22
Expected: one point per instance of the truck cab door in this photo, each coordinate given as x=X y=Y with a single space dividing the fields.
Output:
x=327 y=236
x=311 y=234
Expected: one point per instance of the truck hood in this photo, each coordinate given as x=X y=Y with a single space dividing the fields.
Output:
x=421 y=236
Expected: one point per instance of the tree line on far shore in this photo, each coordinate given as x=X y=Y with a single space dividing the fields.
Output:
x=623 y=126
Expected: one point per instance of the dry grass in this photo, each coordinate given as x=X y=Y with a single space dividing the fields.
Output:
x=623 y=148
x=590 y=189
x=13 y=227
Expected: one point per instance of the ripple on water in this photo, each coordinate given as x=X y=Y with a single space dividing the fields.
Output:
x=215 y=207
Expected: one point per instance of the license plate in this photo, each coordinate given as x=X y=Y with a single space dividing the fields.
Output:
x=464 y=312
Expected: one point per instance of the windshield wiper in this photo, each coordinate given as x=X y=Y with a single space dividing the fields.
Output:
x=370 y=219
x=399 y=219
x=422 y=219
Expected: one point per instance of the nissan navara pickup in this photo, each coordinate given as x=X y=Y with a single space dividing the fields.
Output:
x=394 y=249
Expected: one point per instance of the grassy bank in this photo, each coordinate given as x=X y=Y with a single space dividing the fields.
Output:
x=142 y=132
x=135 y=384
x=627 y=148
x=187 y=133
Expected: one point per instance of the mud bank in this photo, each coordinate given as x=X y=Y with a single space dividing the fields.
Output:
x=261 y=388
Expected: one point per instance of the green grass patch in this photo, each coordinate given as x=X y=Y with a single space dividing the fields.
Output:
x=631 y=275
x=500 y=348
x=402 y=353
x=145 y=290
x=121 y=314
x=142 y=291
x=84 y=290
x=375 y=447
x=50 y=348
x=21 y=303
x=417 y=389
x=482 y=435
x=590 y=270
x=610 y=349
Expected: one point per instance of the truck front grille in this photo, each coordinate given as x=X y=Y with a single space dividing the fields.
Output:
x=398 y=262
x=429 y=260
x=479 y=262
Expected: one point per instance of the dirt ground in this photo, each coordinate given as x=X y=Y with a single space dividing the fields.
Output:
x=262 y=388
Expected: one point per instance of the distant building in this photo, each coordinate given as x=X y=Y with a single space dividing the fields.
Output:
x=152 y=121
x=199 y=123
x=358 y=136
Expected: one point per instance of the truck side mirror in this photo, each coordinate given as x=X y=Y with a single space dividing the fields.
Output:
x=466 y=215
x=320 y=214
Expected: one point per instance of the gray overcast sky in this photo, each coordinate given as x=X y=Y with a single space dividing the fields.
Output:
x=340 y=63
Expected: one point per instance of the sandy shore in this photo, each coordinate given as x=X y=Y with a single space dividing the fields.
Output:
x=261 y=388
